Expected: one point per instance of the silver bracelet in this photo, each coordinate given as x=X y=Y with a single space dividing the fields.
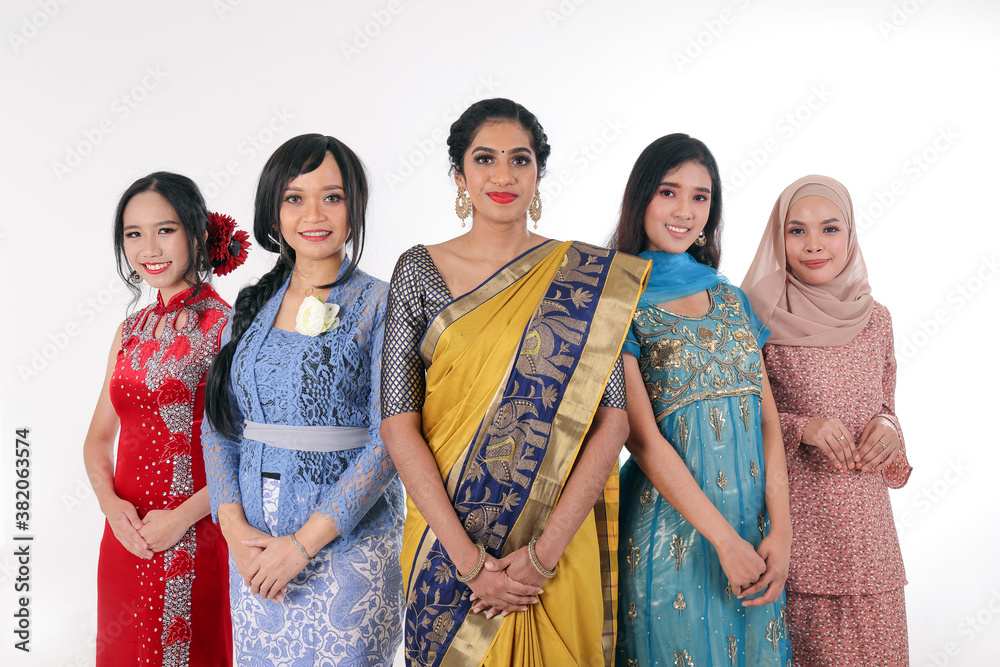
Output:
x=534 y=561
x=466 y=578
x=302 y=549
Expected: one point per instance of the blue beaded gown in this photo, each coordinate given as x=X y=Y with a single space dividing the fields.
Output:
x=703 y=376
x=345 y=607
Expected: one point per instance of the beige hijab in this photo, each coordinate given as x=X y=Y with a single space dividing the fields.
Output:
x=798 y=313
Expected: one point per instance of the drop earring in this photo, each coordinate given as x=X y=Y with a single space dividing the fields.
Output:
x=135 y=278
x=535 y=209
x=463 y=205
x=701 y=240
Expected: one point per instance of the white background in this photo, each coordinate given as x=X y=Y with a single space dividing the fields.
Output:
x=879 y=94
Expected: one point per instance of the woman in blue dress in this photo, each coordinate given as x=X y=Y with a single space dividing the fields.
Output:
x=704 y=542
x=300 y=482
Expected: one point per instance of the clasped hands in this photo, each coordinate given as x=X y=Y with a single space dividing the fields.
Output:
x=265 y=562
x=157 y=531
x=507 y=584
x=875 y=450
x=751 y=571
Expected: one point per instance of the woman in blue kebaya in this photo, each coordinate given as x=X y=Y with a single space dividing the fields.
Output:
x=301 y=484
x=704 y=541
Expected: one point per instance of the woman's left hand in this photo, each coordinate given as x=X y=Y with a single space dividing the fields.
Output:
x=878 y=446
x=279 y=561
x=776 y=552
x=163 y=529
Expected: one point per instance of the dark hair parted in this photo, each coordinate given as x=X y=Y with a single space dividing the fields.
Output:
x=297 y=156
x=185 y=198
x=664 y=155
x=495 y=110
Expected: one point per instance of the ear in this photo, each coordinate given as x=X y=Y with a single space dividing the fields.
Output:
x=460 y=181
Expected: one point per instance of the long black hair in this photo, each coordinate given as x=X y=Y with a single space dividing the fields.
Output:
x=297 y=156
x=661 y=156
x=495 y=110
x=185 y=198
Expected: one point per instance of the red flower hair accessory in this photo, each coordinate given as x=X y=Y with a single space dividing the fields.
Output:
x=227 y=246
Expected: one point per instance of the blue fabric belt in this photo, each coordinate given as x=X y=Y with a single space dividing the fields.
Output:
x=307 y=438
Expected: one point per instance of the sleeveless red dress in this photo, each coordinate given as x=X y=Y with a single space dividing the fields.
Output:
x=173 y=609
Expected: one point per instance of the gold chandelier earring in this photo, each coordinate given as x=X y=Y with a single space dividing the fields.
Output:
x=463 y=205
x=535 y=209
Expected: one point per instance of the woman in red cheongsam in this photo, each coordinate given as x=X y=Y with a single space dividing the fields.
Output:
x=162 y=577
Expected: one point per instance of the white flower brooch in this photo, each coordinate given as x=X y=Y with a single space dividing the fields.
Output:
x=316 y=317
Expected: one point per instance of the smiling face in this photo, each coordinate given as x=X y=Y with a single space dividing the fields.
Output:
x=500 y=172
x=155 y=243
x=313 y=214
x=679 y=209
x=816 y=238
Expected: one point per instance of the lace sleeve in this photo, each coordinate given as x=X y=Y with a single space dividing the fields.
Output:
x=360 y=486
x=222 y=456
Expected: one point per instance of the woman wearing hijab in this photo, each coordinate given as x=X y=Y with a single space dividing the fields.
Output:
x=832 y=369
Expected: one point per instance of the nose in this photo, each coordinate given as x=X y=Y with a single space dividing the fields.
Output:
x=502 y=173
x=151 y=244
x=312 y=210
x=814 y=242
x=683 y=209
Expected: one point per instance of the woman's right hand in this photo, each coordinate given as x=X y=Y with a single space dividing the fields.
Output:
x=741 y=563
x=831 y=436
x=495 y=592
x=125 y=524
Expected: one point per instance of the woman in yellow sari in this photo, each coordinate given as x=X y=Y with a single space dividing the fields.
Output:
x=502 y=408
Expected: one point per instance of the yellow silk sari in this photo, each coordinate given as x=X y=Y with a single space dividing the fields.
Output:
x=516 y=370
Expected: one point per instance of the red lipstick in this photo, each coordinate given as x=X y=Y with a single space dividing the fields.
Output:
x=157 y=271
x=315 y=235
x=502 y=197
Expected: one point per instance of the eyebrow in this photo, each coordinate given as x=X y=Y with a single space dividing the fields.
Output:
x=492 y=151
x=822 y=222
x=292 y=188
x=161 y=223
x=677 y=185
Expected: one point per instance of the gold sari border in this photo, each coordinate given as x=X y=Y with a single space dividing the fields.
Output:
x=494 y=285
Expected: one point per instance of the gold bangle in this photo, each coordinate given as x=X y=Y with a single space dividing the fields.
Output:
x=302 y=549
x=534 y=561
x=466 y=578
